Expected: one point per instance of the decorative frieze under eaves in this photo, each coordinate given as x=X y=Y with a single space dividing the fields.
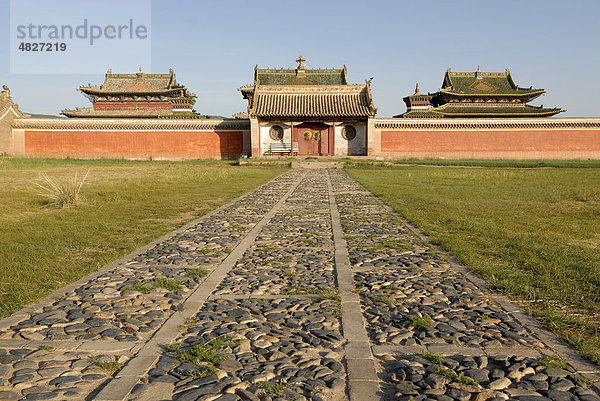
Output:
x=455 y=124
x=130 y=124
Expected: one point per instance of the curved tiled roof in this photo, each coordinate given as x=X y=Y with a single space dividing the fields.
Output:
x=450 y=110
x=484 y=83
x=141 y=112
x=520 y=110
x=136 y=83
x=313 y=101
x=418 y=113
x=147 y=112
x=281 y=76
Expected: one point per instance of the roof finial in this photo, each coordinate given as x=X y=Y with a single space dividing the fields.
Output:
x=140 y=68
x=300 y=60
x=417 y=89
x=478 y=70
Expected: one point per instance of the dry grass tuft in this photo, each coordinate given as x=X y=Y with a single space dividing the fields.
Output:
x=61 y=194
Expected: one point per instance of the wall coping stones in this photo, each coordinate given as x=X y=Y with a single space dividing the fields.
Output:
x=487 y=124
x=129 y=124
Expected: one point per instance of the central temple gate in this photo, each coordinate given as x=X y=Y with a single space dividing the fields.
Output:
x=313 y=107
x=312 y=138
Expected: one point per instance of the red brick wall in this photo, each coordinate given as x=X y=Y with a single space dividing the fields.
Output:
x=549 y=143
x=134 y=144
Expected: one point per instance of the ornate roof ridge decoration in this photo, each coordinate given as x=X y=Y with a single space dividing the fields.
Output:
x=93 y=90
x=141 y=74
x=487 y=123
x=370 y=98
x=309 y=88
x=480 y=73
x=7 y=104
x=293 y=70
x=132 y=124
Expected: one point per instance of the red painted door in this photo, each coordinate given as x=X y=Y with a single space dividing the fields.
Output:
x=312 y=138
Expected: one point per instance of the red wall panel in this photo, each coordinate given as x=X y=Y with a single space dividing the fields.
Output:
x=134 y=144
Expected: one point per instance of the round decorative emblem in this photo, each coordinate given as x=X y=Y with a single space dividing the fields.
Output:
x=348 y=132
x=276 y=133
x=307 y=135
x=317 y=135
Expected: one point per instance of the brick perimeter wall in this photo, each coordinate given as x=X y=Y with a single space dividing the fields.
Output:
x=522 y=144
x=131 y=144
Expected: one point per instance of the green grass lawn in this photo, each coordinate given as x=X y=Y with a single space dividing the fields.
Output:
x=532 y=233
x=126 y=204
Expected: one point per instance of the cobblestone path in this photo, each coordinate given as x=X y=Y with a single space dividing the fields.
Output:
x=308 y=288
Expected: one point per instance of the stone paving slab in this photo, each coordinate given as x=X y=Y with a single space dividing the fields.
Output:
x=309 y=288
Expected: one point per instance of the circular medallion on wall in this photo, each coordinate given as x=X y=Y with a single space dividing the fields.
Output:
x=307 y=135
x=276 y=133
x=348 y=132
x=317 y=135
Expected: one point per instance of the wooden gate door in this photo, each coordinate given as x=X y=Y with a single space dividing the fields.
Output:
x=312 y=138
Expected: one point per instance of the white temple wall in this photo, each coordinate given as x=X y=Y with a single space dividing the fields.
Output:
x=354 y=147
x=265 y=138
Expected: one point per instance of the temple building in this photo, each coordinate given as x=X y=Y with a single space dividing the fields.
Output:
x=308 y=111
x=476 y=95
x=138 y=95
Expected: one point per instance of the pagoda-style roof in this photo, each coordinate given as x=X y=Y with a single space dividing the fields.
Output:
x=138 y=95
x=485 y=84
x=420 y=113
x=268 y=76
x=417 y=98
x=313 y=101
x=139 y=83
x=450 y=110
x=478 y=95
x=132 y=112
x=307 y=93
x=299 y=76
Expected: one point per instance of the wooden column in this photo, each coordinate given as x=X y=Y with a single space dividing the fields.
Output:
x=292 y=138
x=332 y=141
x=259 y=138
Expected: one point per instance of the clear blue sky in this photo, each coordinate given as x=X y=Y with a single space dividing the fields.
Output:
x=214 y=45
